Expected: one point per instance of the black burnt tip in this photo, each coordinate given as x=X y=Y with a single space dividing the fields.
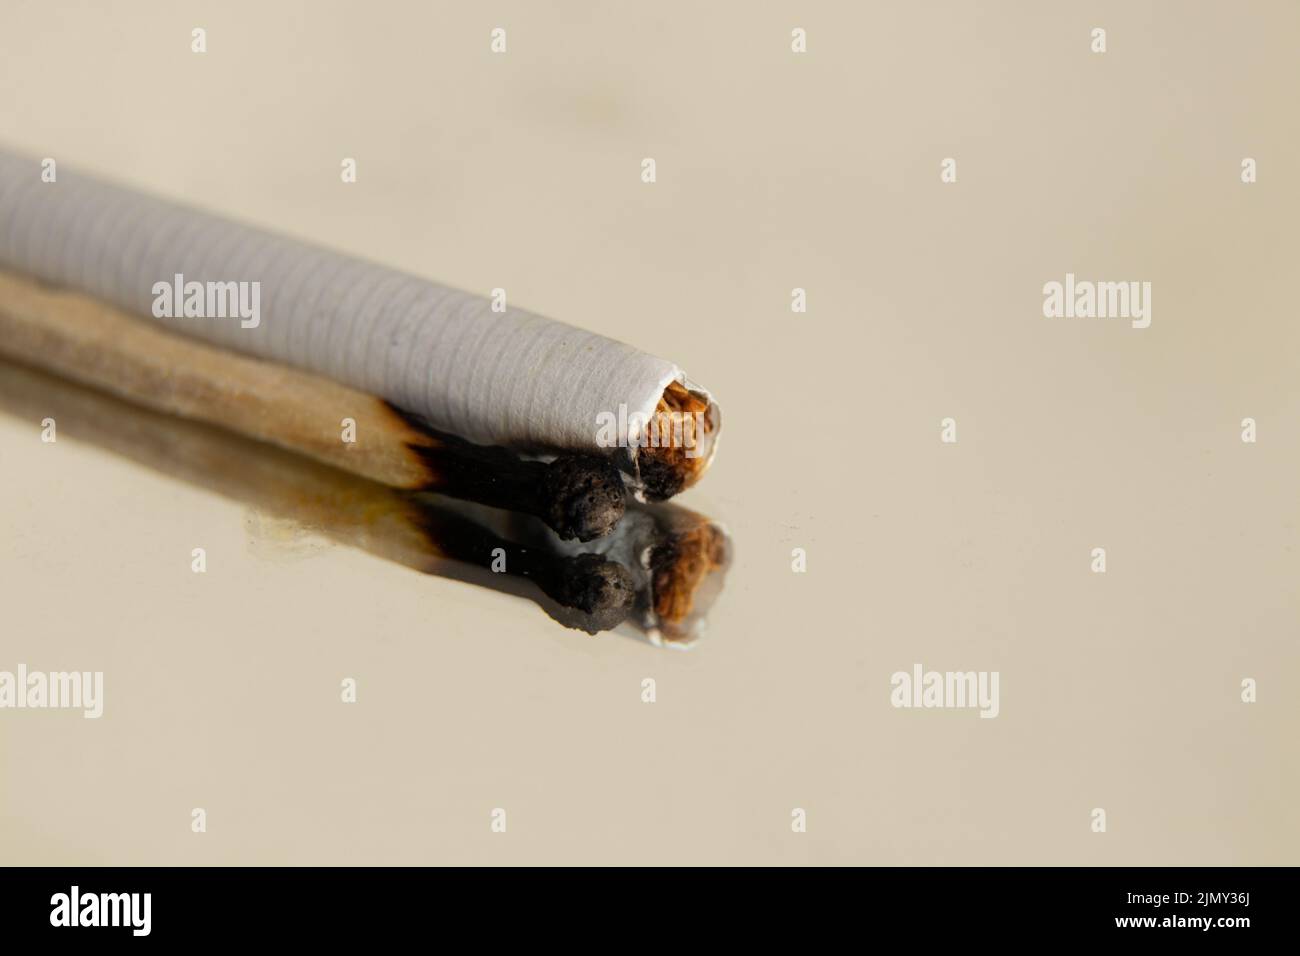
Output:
x=601 y=588
x=584 y=496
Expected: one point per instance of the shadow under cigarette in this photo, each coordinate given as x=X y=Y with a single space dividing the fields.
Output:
x=428 y=533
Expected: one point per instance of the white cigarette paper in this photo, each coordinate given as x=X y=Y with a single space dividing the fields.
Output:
x=501 y=378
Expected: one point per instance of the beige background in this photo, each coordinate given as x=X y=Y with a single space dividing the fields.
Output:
x=775 y=170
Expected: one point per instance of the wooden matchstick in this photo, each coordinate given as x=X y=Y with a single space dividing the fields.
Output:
x=578 y=496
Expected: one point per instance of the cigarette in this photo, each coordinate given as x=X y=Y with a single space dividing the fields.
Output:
x=69 y=334
x=479 y=369
x=590 y=590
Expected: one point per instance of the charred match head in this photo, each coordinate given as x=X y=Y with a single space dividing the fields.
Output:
x=596 y=585
x=583 y=496
x=601 y=588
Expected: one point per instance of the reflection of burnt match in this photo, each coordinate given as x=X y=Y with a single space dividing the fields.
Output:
x=578 y=496
x=602 y=590
x=589 y=591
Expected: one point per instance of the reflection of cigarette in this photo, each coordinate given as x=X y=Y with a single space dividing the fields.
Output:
x=685 y=566
x=469 y=366
x=659 y=570
x=577 y=495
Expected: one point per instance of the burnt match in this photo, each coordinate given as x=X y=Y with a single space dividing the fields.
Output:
x=577 y=496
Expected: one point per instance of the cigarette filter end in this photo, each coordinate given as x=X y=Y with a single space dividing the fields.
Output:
x=687 y=422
